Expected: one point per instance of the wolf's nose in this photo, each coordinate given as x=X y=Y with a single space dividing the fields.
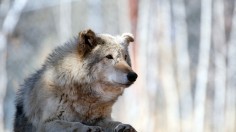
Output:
x=132 y=76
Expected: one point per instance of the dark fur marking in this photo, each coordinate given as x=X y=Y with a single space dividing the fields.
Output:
x=61 y=97
x=60 y=114
x=50 y=119
x=22 y=123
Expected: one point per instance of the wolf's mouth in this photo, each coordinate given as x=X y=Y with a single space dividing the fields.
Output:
x=125 y=85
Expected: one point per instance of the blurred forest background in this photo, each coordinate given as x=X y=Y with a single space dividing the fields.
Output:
x=184 y=53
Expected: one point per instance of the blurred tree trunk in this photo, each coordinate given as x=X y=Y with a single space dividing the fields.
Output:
x=8 y=26
x=65 y=21
x=152 y=65
x=123 y=16
x=94 y=15
x=230 y=119
x=167 y=74
x=3 y=76
x=203 y=65
x=182 y=64
x=142 y=42
x=219 y=42
x=133 y=6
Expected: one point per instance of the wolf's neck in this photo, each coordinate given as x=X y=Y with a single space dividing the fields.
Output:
x=107 y=92
x=94 y=92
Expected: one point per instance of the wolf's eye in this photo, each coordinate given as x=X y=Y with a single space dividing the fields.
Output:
x=125 y=57
x=109 y=57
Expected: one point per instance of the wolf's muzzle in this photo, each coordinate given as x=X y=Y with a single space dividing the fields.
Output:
x=132 y=76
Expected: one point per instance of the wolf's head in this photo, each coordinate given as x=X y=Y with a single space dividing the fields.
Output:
x=107 y=57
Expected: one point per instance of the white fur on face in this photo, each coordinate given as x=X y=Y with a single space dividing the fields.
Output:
x=116 y=76
x=111 y=75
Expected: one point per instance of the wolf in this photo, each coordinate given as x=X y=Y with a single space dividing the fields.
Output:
x=76 y=87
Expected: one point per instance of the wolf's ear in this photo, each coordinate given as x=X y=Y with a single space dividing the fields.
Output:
x=87 y=41
x=128 y=37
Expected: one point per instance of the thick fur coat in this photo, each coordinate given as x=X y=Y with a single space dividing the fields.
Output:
x=77 y=86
